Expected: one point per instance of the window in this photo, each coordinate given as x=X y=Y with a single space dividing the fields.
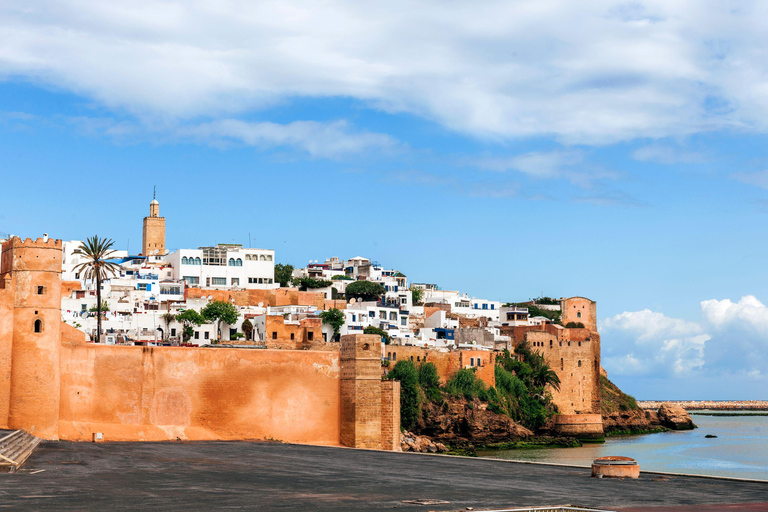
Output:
x=404 y=320
x=184 y=261
x=471 y=361
x=235 y=281
x=550 y=343
x=206 y=335
x=173 y=331
x=292 y=336
x=274 y=335
x=579 y=365
x=479 y=361
x=383 y=315
x=83 y=307
x=191 y=279
x=197 y=335
x=231 y=262
x=393 y=316
x=143 y=286
x=476 y=305
x=197 y=261
x=238 y=262
x=310 y=335
x=561 y=364
x=171 y=290
x=485 y=306
x=250 y=280
x=40 y=290
x=38 y=325
x=354 y=318
x=493 y=306
x=262 y=258
x=394 y=356
x=578 y=314
x=372 y=314
x=269 y=257
x=219 y=281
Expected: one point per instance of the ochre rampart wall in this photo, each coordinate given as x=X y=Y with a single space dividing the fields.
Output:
x=162 y=393
x=447 y=363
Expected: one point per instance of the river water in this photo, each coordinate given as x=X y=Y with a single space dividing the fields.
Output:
x=740 y=449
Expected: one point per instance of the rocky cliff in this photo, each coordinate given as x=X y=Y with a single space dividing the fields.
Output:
x=458 y=422
x=622 y=414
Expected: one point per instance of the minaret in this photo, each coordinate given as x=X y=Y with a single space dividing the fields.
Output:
x=153 y=240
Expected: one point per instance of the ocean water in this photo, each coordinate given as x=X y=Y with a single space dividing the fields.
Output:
x=740 y=449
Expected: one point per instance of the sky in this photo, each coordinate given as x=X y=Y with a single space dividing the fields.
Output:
x=613 y=150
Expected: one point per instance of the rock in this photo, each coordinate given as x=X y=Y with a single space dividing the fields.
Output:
x=710 y=436
x=636 y=420
x=459 y=421
x=432 y=448
x=674 y=416
x=652 y=417
x=441 y=447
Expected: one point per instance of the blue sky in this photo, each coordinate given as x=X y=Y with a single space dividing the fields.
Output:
x=609 y=149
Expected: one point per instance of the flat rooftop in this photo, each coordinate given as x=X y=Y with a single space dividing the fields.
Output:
x=271 y=476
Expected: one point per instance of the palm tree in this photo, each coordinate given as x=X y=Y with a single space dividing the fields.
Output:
x=96 y=252
x=543 y=375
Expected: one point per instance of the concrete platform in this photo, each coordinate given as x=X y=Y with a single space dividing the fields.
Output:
x=267 y=476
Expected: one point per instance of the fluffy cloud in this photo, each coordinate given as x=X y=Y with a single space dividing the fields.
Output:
x=647 y=342
x=731 y=339
x=591 y=73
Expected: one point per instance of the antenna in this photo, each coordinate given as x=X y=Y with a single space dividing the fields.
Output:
x=154 y=192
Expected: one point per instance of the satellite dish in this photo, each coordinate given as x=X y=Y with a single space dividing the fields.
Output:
x=261 y=304
x=352 y=300
x=210 y=297
x=315 y=261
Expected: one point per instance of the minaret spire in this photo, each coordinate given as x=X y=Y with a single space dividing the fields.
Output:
x=154 y=192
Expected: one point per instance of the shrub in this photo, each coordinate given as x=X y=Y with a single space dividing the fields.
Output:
x=465 y=383
x=406 y=372
x=574 y=325
x=306 y=283
x=430 y=382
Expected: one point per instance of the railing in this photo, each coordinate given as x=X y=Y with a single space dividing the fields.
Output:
x=549 y=509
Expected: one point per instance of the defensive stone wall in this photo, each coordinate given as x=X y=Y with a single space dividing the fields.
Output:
x=56 y=385
x=447 y=363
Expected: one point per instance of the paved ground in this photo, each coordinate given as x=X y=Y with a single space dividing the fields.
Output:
x=266 y=476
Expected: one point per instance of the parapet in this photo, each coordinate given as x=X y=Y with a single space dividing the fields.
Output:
x=39 y=243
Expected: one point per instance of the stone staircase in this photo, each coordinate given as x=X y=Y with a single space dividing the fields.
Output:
x=15 y=448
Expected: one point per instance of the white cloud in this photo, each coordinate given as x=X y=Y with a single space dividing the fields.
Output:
x=326 y=140
x=666 y=154
x=591 y=73
x=758 y=179
x=647 y=342
x=748 y=313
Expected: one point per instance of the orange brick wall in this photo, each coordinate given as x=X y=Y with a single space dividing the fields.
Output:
x=390 y=415
x=447 y=363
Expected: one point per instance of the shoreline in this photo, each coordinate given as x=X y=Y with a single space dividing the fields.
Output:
x=716 y=405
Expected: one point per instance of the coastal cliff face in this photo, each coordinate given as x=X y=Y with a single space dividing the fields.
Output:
x=622 y=414
x=459 y=421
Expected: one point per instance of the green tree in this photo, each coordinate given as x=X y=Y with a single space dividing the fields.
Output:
x=335 y=318
x=307 y=283
x=364 y=290
x=417 y=295
x=283 y=274
x=96 y=251
x=406 y=372
x=430 y=381
x=189 y=318
x=341 y=278
x=247 y=328
x=220 y=311
x=381 y=332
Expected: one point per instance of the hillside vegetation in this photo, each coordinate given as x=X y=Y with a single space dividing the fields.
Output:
x=614 y=400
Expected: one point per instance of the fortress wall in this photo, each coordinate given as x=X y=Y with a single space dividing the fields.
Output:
x=447 y=363
x=165 y=393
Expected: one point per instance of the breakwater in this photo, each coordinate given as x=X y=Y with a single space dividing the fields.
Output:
x=715 y=405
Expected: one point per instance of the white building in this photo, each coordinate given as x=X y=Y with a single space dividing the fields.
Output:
x=225 y=266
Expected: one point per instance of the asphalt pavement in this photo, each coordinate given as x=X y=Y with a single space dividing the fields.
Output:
x=241 y=475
